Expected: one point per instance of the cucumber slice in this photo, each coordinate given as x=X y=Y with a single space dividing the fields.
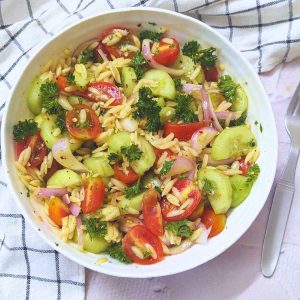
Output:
x=99 y=165
x=220 y=197
x=39 y=119
x=47 y=128
x=166 y=114
x=240 y=103
x=165 y=84
x=233 y=142
x=216 y=99
x=94 y=245
x=80 y=80
x=34 y=101
x=64 y=178
x=122 y=139
x=135 y=203
x=129 y=80
x=240 y=189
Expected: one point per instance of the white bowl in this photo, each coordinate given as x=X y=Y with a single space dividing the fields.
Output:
x=183 y=28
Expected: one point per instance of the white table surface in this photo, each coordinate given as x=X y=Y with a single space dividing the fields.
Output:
x=236 y=273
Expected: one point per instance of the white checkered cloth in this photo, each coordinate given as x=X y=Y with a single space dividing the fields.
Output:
x=266 y=32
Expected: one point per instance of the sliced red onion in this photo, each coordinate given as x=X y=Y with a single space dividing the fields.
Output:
x=228 y=115
x=79 y=232
x=148 y=56
x=63 y=155
x=186 y=244
x=188 y=87
x=182 y=165
x=102 y=54
x=83 y=45
x=48 y=192
x=213 y=116
x=205 y=105
x=202 y=137
x=204 y=234
x=74 y=209
x=66 y=199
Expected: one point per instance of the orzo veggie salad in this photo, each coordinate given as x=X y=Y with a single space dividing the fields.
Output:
x=138 y=144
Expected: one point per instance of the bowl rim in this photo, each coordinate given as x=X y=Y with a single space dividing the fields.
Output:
x=183 y=267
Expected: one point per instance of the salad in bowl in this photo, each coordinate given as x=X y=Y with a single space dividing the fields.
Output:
x=138 y=145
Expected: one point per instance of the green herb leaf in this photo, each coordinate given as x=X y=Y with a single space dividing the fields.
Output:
x=86 y=56
x=178 y=84
x=166 y=167
x=133 y=190
x=180 y=228
x=132 y=153
x=116 y=251
x=138 y=63
x=24 y=128
x=191 y=49
x=207 y=187
x=151 y=35
x=240 y=121
x=49 y=93
x=71 y=79
x=112 y=157
x=228 y=87
x=253 y=173
x=183 y=111
x=61 y=120
x=95 y=227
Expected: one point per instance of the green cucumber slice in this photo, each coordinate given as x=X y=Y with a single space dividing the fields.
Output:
x=240 y=189
x=240 y=103
x=129 y=80
x=135 y=203
x=94 y=245
x=233 y=142
x=34 y=101
x=64 y=178
x=220 y=196
x=165 y=84
x=99 y=165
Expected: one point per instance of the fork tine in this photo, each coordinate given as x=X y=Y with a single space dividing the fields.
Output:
x=293 y=102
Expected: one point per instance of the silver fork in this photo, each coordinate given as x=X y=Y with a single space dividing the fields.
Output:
x=284 y=192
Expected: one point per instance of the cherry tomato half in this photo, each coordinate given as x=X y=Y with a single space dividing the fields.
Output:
x=94 y=195
x=87 y=130
x=160 y=152
x=129 y=178
x=107 y=91
x=244 y=167
x=137 y=240
x=218 y=222
x=183 y=132
x=152 y=212
x=38 y=150
x=197 y=213
x=190 y=192
x=211 y=74
x=167 y=51
x=19 y=146
x=62 y=83
x=57 y=210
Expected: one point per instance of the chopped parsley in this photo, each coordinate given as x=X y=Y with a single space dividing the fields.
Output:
x=116 y=251
x=180 y=228
x=95 y=227
x=49 y=93
x=240 y=121
x=23 y=129
x=138 y=63
x=260 y=128
x=132 y=152
x=191 y=49
x=178 y=83
x=252 y=143
x=253 y=173
x=147 y=108
x=166 y=167
x=183 y=111
x=112 y=157
x=133 y=190
x=228 y=87
x=207 y=187
x=61 y=121
x=71 y=79
x=151 y=35
x=86 y=56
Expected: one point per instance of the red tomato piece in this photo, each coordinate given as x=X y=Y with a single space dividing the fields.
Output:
x=160 y=152
x=57 y=210
x=38 y=150
x=167 y=51
x=183 y=131
x=152 y=212
x=94 y=195
x=89 y=129
x=62 y=83
x=190 y=192
x=244 y=167
x=197 y=213
x=216 y=222
x=129 y=178
x=211 y=74
x=107 y=91
x=19 y=146
x=135 y=246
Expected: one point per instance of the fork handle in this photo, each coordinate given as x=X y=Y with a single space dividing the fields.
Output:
x=282 y=201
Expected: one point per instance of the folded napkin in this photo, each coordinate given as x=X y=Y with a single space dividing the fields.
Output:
x=266 y=32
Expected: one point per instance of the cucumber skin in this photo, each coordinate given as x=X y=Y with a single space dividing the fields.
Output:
x=240 y=103
x=64 y=178
x=221 y=200
x=135 y=203
x=238 y=136
x=129 y=80
x=34 y=101
x=99 y=165
x=240 y=189
x=166 y=86
x=122 y=139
